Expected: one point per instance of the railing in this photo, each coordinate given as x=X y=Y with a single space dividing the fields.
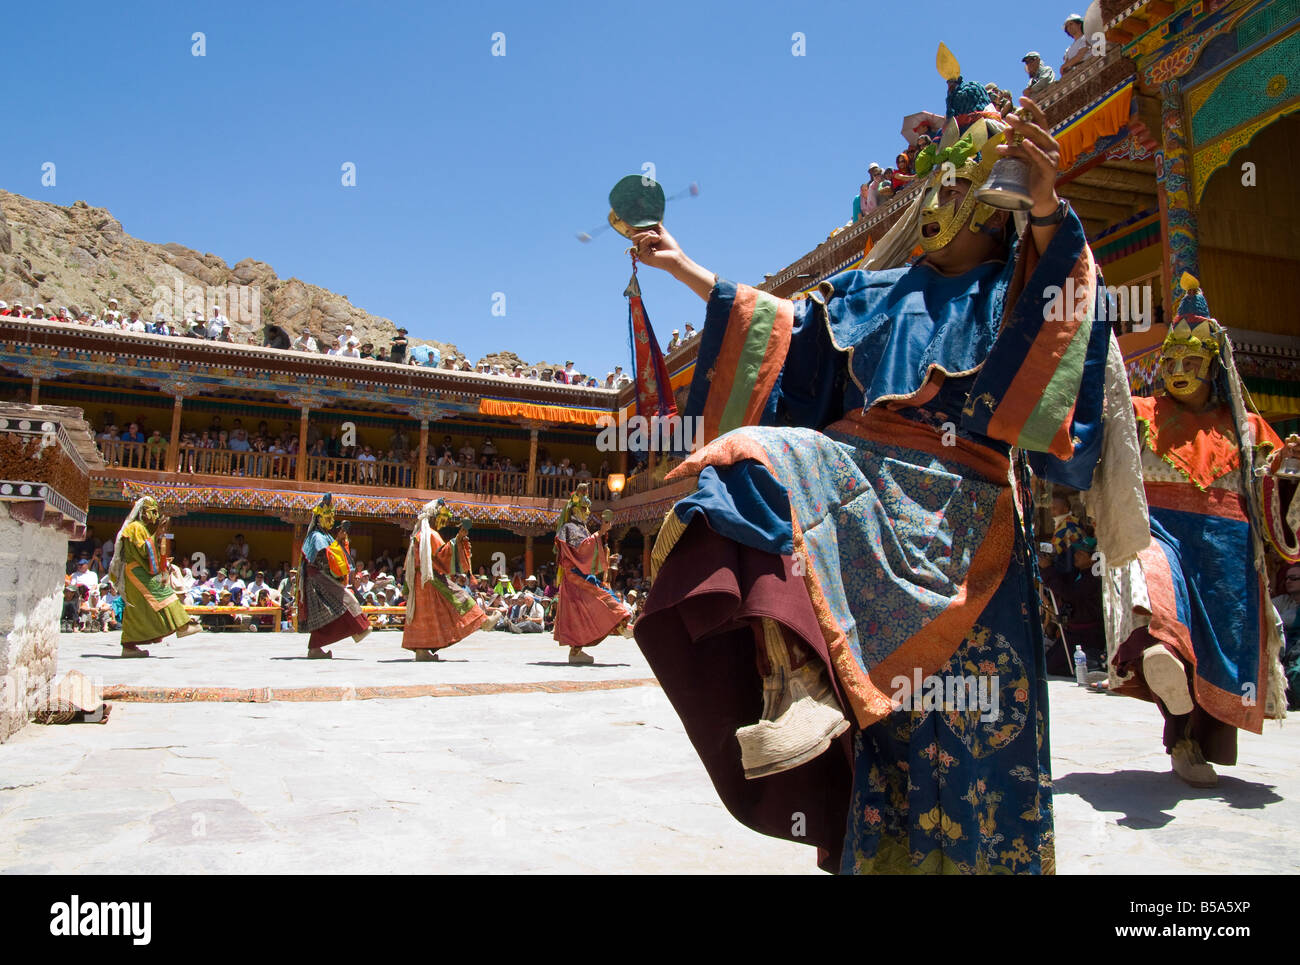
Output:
x=362 y=472
x=339 y=471
x=133 y=455
x=643 y=481
x=228 y=462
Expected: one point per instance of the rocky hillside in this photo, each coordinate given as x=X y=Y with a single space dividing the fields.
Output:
x=80 y=257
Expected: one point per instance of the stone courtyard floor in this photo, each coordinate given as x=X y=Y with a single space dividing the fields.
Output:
x=509 y=760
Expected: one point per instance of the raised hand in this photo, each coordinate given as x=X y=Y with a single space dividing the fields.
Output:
x=1032 y=143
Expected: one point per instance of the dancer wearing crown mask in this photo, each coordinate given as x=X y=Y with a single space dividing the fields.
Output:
x=439 y=612
x=1201 y=638
x=327 y=608
x=587 y=611
x=858 y=530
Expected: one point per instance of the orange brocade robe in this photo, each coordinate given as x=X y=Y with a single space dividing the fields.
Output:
x=443 y=613
x=586 y=612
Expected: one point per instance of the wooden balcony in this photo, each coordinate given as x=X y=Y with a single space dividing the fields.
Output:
x=134 y=460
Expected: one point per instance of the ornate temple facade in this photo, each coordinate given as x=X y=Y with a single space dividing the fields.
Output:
x=1175 y=143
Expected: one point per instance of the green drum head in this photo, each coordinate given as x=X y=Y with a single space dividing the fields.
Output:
x=636 y=203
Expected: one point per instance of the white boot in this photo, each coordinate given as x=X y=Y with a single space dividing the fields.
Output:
x=1166 y=677
x=580 y=657
x=800 y=714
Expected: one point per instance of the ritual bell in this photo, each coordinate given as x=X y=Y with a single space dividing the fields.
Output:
x=1007 y=186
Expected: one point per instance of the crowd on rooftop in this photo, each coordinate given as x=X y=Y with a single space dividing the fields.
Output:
x=218 y=328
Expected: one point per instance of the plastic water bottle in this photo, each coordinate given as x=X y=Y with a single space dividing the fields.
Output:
x=1080 y=666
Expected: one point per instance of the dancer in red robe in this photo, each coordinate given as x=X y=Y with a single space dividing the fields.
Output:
x=438 y=612
x=587 y=611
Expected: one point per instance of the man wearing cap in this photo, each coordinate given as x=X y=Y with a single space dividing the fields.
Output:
x=1079 y=49
x=675 y=341
x=84 y=577
x=397 y=353
x=1040 y=75
x=216 y=324
x=527 y=616
x=305 y=341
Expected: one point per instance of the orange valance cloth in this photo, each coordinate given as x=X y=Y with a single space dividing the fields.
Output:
x=1102 y=121
x=542 y=413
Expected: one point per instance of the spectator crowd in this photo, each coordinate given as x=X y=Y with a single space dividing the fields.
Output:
x=217 y=328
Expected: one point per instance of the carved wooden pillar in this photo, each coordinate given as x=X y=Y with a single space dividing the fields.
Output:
x=301 y=473
x=421 y=480
x=174 y=441
x=532 y=467
x=305 y=400
x=528 y=554
x=36 y=370
x=178 y=388
x=427 y=413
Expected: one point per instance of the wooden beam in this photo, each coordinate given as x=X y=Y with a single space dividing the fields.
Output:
x=1104 y=176
x=1117 y=35
x=1087 y=192
x=1159 y=8
x=1110 y=213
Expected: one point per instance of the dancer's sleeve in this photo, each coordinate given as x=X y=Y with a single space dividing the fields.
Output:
x=762 y=360
x=1042 y=386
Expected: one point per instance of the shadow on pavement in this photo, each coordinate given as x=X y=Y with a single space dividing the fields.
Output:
x=328 y=659
x=1147 y=798
x=565 y=663
x=413 y=660
x=118 y=656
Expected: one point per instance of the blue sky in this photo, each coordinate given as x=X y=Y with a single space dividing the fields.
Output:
x=474 y=172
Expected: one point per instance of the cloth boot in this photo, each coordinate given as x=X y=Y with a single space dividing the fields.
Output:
x=800 y=713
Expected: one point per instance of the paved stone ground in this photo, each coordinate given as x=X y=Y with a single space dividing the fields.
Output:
x=592 y=781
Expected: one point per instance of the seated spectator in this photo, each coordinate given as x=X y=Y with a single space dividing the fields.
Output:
x=526 y=617
x=1040 y=75
x=306 y=341
x=273 y=336
x=69 y=617
x=1079 y=50
x=156 y=450
x=111 y=605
